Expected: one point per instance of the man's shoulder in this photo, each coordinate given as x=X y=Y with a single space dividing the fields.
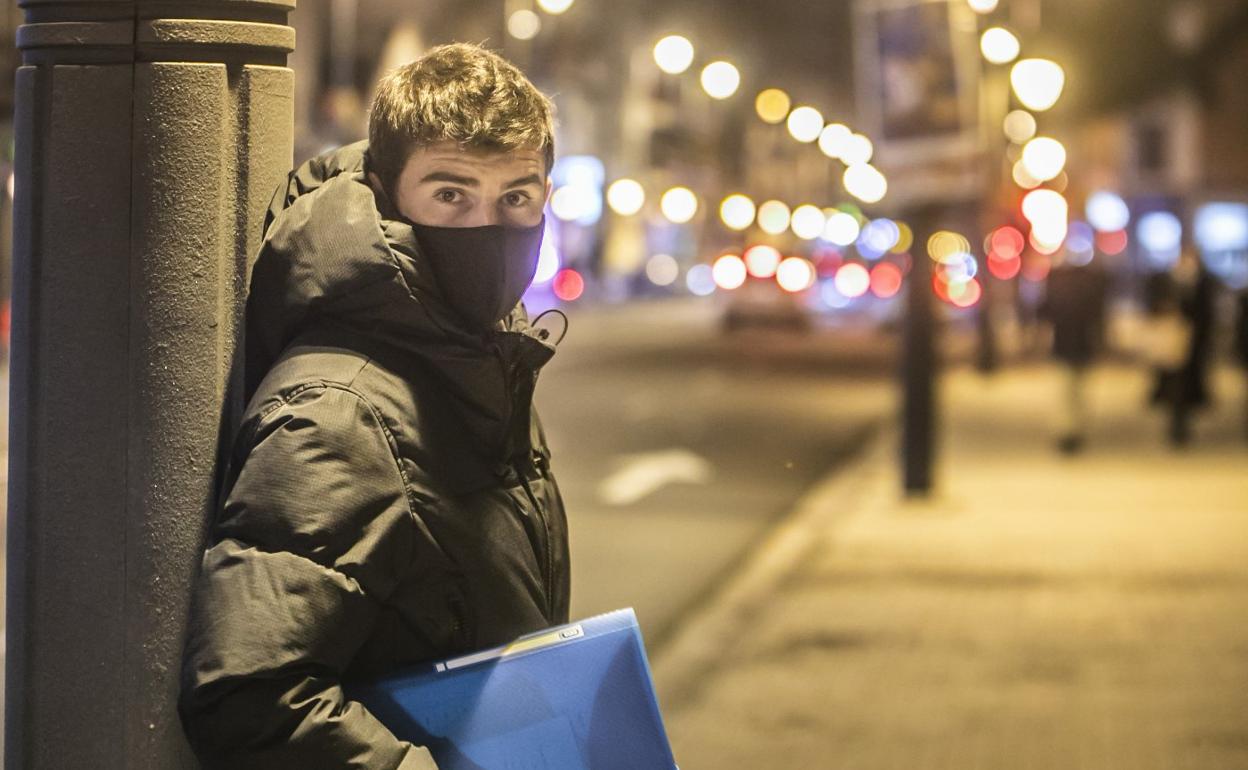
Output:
x=303 y=367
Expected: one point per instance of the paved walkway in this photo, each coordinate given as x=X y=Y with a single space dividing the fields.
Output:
x=1038 y=612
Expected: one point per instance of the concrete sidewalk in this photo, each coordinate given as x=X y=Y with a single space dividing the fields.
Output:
x=1038 y=612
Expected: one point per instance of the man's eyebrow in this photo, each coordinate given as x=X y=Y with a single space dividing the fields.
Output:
x=525 y=180
x=446 y=176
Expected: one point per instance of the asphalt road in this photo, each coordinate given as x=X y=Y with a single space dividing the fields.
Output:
x=677 y=446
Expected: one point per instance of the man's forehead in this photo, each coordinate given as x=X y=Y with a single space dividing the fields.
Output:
x=452 y=155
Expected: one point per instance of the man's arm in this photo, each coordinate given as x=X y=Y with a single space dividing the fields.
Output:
x=312 y=538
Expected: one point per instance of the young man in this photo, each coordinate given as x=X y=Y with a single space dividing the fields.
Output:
x=388 y=499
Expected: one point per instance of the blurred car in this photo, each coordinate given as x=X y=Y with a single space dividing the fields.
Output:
x=761 y=303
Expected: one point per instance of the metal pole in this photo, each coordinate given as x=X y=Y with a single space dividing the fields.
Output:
x=150 y=136
x=918 y=366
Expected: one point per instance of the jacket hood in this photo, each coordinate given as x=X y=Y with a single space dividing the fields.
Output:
x=334 y=253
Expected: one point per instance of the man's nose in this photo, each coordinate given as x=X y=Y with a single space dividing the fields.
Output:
x=484 y=215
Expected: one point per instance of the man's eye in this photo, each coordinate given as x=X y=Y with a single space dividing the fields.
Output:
x=447 y=196
x=516 y=199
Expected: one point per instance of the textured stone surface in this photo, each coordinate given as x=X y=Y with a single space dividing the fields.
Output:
x=141 y=191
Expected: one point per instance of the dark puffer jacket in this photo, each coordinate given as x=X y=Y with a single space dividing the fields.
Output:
x=388 y=499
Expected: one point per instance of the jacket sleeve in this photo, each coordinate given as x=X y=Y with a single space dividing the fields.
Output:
x=310 y=539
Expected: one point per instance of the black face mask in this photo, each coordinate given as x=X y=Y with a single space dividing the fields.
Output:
x=482 y=271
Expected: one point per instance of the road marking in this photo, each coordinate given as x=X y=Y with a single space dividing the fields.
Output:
x=645 y=473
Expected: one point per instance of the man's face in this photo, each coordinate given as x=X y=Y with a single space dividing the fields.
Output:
x=447 y=185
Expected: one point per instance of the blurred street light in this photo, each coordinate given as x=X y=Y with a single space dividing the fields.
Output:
x=773 y=217
x=679 y=205
x=700 y=280
x=1020 y=125
x=1038 y=83
x=842 y=229
x=729 y=272
x=662 y=270
x=554 y=7
x=805 y=124
x=1044 y=158
x=982 y=6
x=524 y=25
x=1022 y=177
x=626 y=197
x=865 y=182
x=762 y=260
x=568 y=203
x=795 y=274
x=834 y=139
x=720 y=79
x=737 y=211
x=857 y=149
x=773 y=105
x=999 y=45
x=852 y=280
x=673 y=54
x=808 y=222
x=1107 y=212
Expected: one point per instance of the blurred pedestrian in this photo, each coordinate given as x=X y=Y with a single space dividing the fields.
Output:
x=1178 y=341
x=1074 y=304
x=389 y=499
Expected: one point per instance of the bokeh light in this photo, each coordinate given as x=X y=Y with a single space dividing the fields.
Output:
x=1161 y=235
x=880 y=236
x=673 y=54
x=833 y=140
x=1038 y=83
x=568 y=285
x=865 y=182
x=700 y=280
x=626 y=197
x=807 y=222
x=679 y=205
x=554 y=7
x=1107 y=211
x=762 y=260
x=662 y=269
x=852 y=280
x=1022 y=177
x=966 y=294
x=945 y=243
x=569 y=203
x=1005 y=269
x=737 y=211
x=548 y=260
x=720 y=79
x=857 y=149
x=524 y=25
x=773 y=217
x=805 y=124
x=1020 y=125
x=885 y=280
x=905 y=239
x=842 y=229
x=999 y=45
x=772 y=105
x=1044 y=158
x=795 y=274
x=983 y=6
x=729 y=272
x=1112 y=243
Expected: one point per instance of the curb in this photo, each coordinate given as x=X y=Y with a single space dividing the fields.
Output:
x=697 y=648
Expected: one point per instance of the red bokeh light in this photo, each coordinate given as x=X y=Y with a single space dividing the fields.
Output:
x=1006 y=243
x=969 y=296
x=885 y=280
x=1112 y=243
x=568 y=285
x=1005 y=269
x=1036 y=267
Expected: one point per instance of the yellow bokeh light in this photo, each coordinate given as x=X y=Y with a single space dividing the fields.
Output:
x=1044 y=158
x=762 y=260
x=773 y=217
x=1020 y=125
x=729 y=272
x=808 y=222
x=679 y=205
x=720 y=79
x=673 y=54
x=945 y=244
x=983 y=6
x=805 y=124
x=554 y=7
x=1038 y=83
x=999 y=45
x=524 y=25
x=905 y=239
x=773 y=105
x=865 y=182
x=1021 y=176
x=626 y=197
x=795 y=274
x=737 y=211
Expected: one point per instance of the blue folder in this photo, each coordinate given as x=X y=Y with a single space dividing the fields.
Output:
x=573 y=697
